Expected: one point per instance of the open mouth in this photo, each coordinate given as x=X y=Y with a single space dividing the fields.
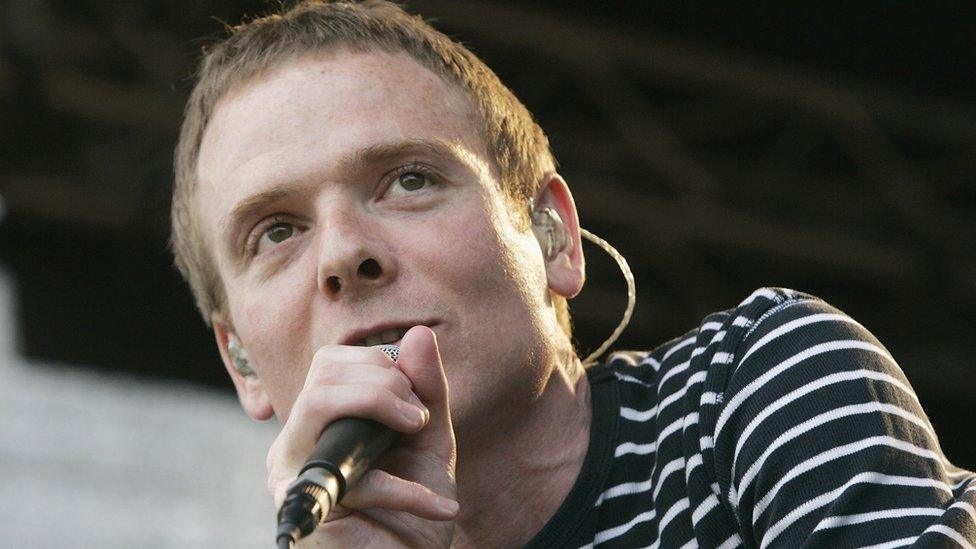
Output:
x=393 y=335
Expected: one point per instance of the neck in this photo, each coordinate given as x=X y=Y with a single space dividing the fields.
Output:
x=519 y=476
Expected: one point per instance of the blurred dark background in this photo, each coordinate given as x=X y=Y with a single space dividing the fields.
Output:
x=720 y=148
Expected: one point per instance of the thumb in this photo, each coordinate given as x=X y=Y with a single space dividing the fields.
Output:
x=420 y=360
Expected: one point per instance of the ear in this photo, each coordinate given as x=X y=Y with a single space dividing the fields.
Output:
x=250 y=390
x=566 y=272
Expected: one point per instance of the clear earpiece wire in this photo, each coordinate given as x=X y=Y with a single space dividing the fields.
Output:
x=631 y=293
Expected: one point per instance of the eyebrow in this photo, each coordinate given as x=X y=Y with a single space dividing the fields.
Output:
x=380 y=151
x=230 y=224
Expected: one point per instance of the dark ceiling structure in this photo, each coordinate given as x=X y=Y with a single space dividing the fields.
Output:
x=719 y=149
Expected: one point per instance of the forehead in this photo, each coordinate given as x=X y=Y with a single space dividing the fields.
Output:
x=298 y=120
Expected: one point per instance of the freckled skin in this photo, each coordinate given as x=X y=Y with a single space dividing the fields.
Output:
x=460 y=258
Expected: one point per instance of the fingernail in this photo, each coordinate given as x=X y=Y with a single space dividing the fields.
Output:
x=447 y=505
x=412 y=413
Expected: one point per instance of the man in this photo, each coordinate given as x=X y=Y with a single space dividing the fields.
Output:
x=346 y=176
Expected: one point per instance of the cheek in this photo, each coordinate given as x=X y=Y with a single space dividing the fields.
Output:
x=271 y=320
x=479 y=256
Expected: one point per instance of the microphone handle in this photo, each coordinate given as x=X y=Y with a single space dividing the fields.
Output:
x=347 y=449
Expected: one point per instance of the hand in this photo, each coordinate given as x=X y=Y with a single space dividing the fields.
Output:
x=409 y=498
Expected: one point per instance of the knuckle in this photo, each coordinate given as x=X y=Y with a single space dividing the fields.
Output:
x=397 y=383
x=301 y=406
x=380 y=356
x=327 y=374
x=324 y=367
x=373 y=397
x=321 y=404
x=379 y=480
x=322 y=354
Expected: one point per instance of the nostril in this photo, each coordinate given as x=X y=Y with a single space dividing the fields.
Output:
x=370 y=269
x=334 y=284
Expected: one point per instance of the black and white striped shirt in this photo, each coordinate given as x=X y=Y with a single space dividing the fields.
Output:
x=781 y=423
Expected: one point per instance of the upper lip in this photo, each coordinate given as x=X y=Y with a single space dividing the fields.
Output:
x=360 y=334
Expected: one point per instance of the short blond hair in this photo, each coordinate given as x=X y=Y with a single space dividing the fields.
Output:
x=516 y=144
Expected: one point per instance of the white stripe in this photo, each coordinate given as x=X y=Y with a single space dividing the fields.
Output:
x=671 y=429
x=669 y=469
x=675 y=425
x=717 y=338
x=631 y=448
x=757 y=384
x=695 y=379
x=817 y=421
x=949 y=532
x=693 y=544
x=649 y=361
x=891 y=544
x=838 y=521
x=733 y=541
x=822 y=500
x=673 y=512
x=631 y=379
x=761 y=292
x=706 y=443
x=721 y=358
x=617 y=531
x=624 y=489
x=677 y=347
x=693 y=462
x=807 y=389
x=742 y=321
x=710 y=502
x=709 y=398
x=710 y=326
x=965 y=507
x=673 y=372
x=794 y=324
x=637 y=415
x=869 y=477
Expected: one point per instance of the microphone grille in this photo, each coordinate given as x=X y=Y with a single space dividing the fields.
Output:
x=391 y=351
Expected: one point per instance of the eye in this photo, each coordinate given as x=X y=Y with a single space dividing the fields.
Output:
x=279 y=232
x=269 y=234
x=411 y=179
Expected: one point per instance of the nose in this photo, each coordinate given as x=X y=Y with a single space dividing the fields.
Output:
x=352 y=259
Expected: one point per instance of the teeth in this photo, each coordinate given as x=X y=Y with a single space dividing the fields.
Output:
x=389 y=336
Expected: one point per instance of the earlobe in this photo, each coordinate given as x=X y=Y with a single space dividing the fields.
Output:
x=250 y=390
x=556 y=225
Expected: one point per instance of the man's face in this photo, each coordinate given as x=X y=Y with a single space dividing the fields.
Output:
x=346 y=195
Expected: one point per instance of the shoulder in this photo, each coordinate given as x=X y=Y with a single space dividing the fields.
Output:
x=767 y=321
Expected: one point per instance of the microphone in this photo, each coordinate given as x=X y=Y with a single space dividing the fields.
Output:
x=346 y=449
